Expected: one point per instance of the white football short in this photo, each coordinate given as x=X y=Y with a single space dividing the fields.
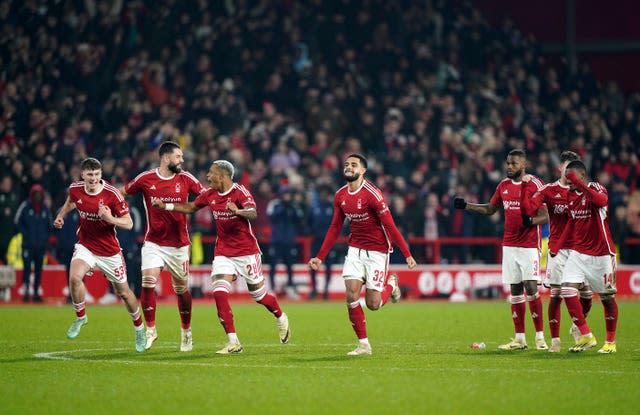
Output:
x=113 y=267
x=175 y=259
x=555 y=267
x=248 y=267
x=520 y=264
x=597 y=271
x=370 y=267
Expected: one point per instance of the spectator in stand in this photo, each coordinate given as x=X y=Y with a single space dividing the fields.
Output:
x=9 y=203
x=65 y=246
x=633 y=223
x=319 y=220
x=446 y=100
x=520 y=249
x=33 y=221
x=285 y=217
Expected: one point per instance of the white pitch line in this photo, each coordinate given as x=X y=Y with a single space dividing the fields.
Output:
x=64 y=355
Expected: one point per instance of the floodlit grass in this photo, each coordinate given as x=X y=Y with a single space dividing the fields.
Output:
x=421 y=363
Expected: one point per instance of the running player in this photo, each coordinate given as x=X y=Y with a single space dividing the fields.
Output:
x=166 y=240
x=102 y=208
x=372 y=232
x=236 y=252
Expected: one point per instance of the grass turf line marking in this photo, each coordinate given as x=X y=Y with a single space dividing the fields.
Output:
x=64 y=355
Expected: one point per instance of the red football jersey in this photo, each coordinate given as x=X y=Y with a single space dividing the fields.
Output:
x=555 y=196
x=370 y=222
x=96 y=235
x=165 y=228
x=235 y=235
x=507 y=196
x=589 y=224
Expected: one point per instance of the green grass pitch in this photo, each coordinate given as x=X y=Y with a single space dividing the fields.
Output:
x=421 y=364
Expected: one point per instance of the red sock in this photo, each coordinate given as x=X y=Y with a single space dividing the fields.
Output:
x=225 y=315
x=136 y=318
x=184 y=307
x=586 y=305
x=148 y=303
x=358 y=321
x=535 y=308
x=518 y=308
x=611 y=318
x=80 y=309
x=554 y=316
x=570 y=297
x=271 y=303
x=386 y=293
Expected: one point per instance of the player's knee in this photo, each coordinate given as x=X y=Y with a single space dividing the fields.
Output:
x=122 y=291
x=517 y=299
x=586 y=293
x=607 y=297
x=180 y=287
x=531 y=288
x=532 y=297
x=149 y=281
x=568 y=292
x=75 y=279
x=221 y=285
x=259 y=293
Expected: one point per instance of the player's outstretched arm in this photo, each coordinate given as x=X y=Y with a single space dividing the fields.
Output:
x=68 y=206
x=483 y=209
x=185 y=208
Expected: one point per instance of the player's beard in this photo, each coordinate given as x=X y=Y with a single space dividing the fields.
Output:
x=174 y=168
x=353 y=178
x=515 y=175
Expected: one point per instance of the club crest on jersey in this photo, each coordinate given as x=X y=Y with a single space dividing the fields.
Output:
x=359 y=203
x=177 y=187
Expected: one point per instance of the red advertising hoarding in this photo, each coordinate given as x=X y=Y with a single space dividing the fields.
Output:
x=455 y=282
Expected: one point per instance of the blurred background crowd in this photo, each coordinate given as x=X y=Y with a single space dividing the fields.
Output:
x=429 y=91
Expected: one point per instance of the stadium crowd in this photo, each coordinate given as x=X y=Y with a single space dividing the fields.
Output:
x=433 y=95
